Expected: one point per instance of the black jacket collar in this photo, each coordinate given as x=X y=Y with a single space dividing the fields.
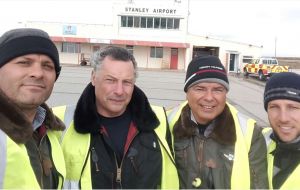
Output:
x=86 y=115
x=294 y=146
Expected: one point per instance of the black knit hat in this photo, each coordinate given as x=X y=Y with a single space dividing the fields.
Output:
x=206 y=69
x=22 y=41
x=282 y=86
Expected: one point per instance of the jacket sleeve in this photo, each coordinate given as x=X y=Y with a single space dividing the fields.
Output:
x=258 y=160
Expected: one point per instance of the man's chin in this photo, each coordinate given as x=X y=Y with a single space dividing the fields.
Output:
x=30 y=104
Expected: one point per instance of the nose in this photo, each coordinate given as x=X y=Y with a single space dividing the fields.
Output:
x=283 y=116
x=208 y=95
x=36 y=70
x=119 y=90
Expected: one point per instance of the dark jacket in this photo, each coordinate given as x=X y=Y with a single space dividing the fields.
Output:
x=204 y=156
x=16 y=125
x=142 y=161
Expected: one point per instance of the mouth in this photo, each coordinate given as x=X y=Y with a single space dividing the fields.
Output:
x=35 y=86
x=208 y=108
x=285 y=129
x=117 y=100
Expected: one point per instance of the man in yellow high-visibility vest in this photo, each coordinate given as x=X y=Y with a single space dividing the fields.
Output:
x=282 y=103
x=214 y=143
x=117 y=139
x=30 y=154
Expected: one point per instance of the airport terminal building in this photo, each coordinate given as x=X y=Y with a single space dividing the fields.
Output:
x=156 y=34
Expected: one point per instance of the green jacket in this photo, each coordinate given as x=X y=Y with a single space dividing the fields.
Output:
x=231 y=147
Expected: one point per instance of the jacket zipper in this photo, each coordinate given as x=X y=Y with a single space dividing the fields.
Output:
x=255 y=179
x=200 y=155
x=41 y=161
x=119 y=169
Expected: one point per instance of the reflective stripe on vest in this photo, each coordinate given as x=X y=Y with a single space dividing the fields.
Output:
x=266 y=133
x=70 y=184
x=76 y=160
x=292 y=182
x=244 y=130
x=65 y=113
x=15 y=168
x=169 y=177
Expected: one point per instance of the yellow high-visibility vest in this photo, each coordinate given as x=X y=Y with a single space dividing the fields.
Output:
x=79 y=172
x=292 y=182
x=15 y=168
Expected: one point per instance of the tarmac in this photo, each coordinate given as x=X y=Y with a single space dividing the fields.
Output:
x=164 y=88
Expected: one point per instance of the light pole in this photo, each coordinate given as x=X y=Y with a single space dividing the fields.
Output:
x=275 y=45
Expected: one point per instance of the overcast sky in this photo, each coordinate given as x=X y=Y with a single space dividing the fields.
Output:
x=257 y=22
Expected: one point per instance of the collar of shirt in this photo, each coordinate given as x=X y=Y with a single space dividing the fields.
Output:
x=39 y=118
x=205 y=130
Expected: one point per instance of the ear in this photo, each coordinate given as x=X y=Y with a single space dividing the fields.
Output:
x=93 y=77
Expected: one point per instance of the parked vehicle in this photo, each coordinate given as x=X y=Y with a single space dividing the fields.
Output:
x=264 y=67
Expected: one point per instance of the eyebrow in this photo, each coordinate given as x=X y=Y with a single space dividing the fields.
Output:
x=111 y=76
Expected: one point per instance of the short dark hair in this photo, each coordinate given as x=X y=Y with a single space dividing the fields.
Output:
x=114 y=52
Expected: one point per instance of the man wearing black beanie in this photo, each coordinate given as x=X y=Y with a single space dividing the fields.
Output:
x=31 y=156
x=282 y=103
x=215 y=144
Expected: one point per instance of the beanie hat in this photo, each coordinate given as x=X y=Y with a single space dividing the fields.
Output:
x=206 y=69
x=22 y=41
x=282 y=86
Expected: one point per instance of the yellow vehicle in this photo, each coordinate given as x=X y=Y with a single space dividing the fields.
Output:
x=264 y=67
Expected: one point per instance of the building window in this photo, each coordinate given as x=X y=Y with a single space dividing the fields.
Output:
x=170 y=23
x=163 y=23
x=247 y=59
x=70 y=47
x=130 y=21
x=137 y=22
x=123 y=21
x=156 y=22
x=143 y=22
x=150 y=22
x=130 y=49
x=156 y=52
x=176 y=24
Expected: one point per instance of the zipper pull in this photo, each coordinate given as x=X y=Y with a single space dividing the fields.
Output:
x=95 y=158
x=118 y=179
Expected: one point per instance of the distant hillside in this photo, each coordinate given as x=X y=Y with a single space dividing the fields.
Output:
x=293 y=62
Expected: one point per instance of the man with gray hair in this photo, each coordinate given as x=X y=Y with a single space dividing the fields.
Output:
x=117 y=140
